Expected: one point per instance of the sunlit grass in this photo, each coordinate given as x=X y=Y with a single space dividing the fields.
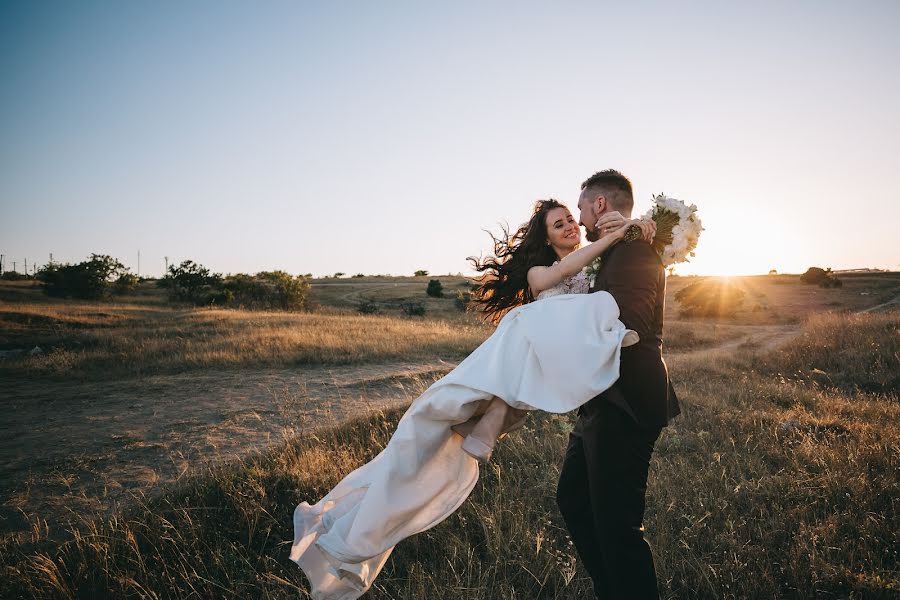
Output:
x=766 y=487
x=134 y=339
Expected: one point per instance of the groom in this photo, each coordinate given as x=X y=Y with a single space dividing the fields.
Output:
x=603 y=482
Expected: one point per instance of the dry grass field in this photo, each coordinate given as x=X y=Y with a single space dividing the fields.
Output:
x=154 y=451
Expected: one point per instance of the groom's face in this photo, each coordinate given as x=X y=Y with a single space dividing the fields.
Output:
x=592 y=205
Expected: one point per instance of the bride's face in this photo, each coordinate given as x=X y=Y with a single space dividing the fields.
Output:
x=562 y=229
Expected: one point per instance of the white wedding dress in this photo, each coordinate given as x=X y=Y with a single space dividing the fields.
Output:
x=553 y=354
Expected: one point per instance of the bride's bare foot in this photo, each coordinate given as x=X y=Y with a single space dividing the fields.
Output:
x=499 y=418
x=631 y=338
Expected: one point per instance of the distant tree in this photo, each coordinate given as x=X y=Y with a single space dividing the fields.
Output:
x=338 y=275
x=821 y=277
x=815 y=275
x=412 y=308
x=421 y=273
x=266 y=290
x=435 y=289
x=359 y=275
x=14 y=276
x=192 y=282
x=89 y=280
x=773 y=272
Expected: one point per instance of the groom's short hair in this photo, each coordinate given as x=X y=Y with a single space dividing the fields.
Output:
x=615 y=186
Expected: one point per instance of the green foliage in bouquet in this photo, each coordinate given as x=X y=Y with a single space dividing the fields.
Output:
x=666 y=221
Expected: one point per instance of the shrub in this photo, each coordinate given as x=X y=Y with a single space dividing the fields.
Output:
x=88 y=280
x=359 y=275
x=710 y=297
x=367 y=306
x=126 y=283
x=192 y=282
x=266 y=290
x=412 y=308
x=435 y=289
x=823 y=278
x=815 y=276
x=14 y=276
x=461 y=302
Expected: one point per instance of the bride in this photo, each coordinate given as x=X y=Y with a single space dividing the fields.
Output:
x=553 y=354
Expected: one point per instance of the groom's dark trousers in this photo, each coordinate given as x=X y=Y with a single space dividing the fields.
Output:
x=603 y=483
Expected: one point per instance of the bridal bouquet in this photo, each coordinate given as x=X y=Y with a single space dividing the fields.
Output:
x=677 y=232
x=677 y=229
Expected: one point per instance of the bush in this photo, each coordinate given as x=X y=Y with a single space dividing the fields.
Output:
x=461 y=302
x=815 y=276
x=710 y=298
x=266 y=290
x=435 y=289
x=126 y=283
x=87 y=280
x=192 y=282
x=412 y=308
x=14 y=276
x=823 y=278
x=367 y=306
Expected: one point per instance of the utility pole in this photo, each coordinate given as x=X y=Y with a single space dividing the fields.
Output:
x=139 y=263
x=14 y=266
x=167 y=265
x=2 y=256
x=26 y=266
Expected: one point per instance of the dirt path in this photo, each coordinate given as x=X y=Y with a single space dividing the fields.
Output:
x=891 y=302
x=83 y=447
x=758 y=338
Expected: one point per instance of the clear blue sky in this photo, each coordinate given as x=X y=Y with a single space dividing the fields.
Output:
x=382 y=137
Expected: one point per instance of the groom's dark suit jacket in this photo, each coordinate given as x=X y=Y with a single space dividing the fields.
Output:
x=634 y=275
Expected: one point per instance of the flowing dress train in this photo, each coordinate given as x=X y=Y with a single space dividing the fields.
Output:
x=553 y=355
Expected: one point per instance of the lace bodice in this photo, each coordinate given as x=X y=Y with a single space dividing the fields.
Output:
x=576 y=284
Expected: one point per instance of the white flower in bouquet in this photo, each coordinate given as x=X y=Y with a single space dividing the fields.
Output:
x=677 y=229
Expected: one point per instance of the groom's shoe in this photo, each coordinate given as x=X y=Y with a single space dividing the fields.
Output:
x=631 y=338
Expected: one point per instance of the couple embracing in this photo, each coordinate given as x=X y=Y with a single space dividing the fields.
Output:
x=565 y=341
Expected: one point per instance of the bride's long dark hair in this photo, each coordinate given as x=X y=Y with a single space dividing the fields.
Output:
x=503 y=284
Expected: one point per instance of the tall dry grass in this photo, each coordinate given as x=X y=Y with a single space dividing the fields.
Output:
x=766 y=487
x=844 y=351
x=85 y=341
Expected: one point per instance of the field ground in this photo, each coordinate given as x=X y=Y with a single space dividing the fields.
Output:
x=136 y=399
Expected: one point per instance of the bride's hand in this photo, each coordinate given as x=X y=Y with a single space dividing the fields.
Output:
x=648 y=228
x=611 y=223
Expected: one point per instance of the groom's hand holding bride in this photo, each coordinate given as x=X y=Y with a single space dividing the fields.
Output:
x=613 y=223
